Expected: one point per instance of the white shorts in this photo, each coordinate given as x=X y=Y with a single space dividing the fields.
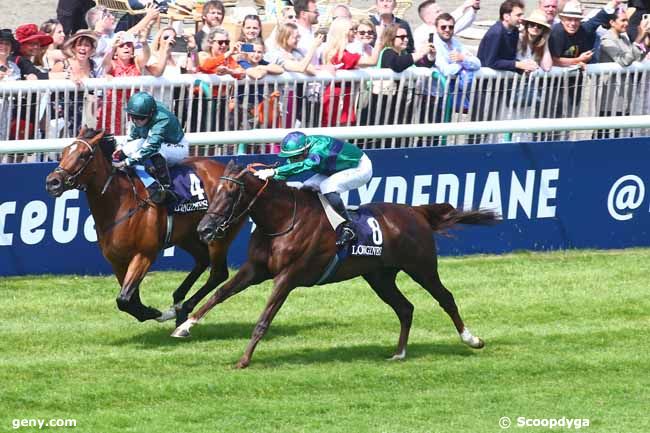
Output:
x=344 y=180
x=173 y=152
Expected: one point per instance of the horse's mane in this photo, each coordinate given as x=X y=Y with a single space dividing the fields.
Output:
x=107 y=143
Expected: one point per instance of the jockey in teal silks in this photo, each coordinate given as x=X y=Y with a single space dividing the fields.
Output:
x=339 y=167
x=156 y=135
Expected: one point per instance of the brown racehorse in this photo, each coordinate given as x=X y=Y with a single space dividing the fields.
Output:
x=131 y=230
x=294 y=243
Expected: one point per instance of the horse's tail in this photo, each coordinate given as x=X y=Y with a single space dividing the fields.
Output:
x=444 y=216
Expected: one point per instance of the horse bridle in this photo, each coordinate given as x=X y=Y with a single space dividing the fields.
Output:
x=242 y=187
x=70 y=180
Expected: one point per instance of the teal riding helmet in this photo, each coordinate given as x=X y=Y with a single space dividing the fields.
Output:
x=141 y=104
x=293 y=144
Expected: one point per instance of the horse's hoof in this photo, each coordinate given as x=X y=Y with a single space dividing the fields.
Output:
x=398 y=356
x=472 y=341
x=181 y=333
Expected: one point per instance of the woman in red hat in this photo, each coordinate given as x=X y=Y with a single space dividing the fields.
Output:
x=31 y=41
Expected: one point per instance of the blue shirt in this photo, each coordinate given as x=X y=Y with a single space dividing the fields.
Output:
x=446 y=66
x=498 y=48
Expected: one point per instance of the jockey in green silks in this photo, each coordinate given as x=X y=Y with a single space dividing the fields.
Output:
x=339 y=167
x=157 y=136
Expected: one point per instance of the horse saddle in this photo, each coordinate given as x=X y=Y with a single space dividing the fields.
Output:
x=369 y=238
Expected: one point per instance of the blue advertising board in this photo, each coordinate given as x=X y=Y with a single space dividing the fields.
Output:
x=556 y=195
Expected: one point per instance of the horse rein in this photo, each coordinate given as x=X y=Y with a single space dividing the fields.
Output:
x=242 y=187
x=69 y=180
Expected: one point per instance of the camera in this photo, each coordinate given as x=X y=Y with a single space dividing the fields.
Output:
x=431 y=37
x=247 y=48
x=161 y=5
x=3 y=68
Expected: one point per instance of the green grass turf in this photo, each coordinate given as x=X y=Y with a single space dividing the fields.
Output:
x=566 y=336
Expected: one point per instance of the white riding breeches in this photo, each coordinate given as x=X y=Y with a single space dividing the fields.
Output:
x=344 y=180
x=173 y=152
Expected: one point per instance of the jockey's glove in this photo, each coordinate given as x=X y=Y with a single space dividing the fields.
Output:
x=119 y=164
x=265 y=173
x=118 y=155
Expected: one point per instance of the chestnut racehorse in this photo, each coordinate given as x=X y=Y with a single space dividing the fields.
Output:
x=294 y=243
x=131 y=230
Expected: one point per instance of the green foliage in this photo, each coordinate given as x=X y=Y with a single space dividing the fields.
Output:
x=565 y=336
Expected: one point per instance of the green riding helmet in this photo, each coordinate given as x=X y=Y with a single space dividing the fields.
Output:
x=293 y=144
x=141 y=104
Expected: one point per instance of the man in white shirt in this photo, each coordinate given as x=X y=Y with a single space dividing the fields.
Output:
x=429 y=10
x=307 y=18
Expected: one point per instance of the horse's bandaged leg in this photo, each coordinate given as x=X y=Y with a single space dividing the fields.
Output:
x=472 y=341
x=169 y=314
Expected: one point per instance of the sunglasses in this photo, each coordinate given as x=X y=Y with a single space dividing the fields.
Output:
x=402 y=37
x=447 y=27
x=290 y=17
x=365 y=32
x=222 y=43
x=138 y=118
x=535 y=25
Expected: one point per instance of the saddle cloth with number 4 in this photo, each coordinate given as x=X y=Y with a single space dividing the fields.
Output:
x=189 y=188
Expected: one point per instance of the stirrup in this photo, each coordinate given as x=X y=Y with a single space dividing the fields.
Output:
x=347 y=235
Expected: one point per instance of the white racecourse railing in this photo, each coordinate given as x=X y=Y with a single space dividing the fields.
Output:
x=211 y=108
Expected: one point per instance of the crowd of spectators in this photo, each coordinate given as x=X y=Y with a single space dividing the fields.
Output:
x=522 y=40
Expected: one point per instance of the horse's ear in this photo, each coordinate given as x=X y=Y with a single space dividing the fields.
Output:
x=97 y=135
x=230 y=164
x=82 y=131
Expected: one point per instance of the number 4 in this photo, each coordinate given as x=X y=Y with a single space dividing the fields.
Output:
x=195 y=187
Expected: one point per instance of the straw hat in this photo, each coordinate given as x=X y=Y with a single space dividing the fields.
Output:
x=572 y=9
x=537 y=16
x=88 y=34
x=30 y=33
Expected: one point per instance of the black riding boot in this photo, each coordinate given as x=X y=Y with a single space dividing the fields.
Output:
x=347 y=234
x=162 y=193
